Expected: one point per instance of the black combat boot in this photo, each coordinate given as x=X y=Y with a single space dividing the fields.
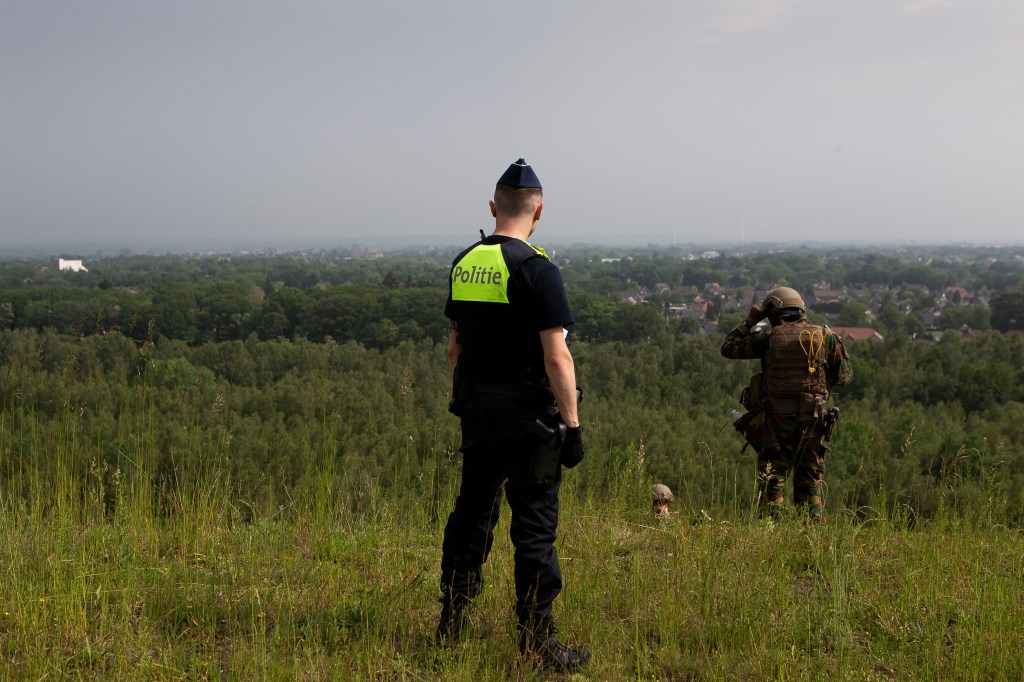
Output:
x=453 y=620
x=537 y=640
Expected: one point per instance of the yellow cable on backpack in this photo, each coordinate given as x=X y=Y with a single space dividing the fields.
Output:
x=815 y=340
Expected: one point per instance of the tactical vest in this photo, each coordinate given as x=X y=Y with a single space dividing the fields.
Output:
x=499 y=344
x=482 y=275
x=795 y=365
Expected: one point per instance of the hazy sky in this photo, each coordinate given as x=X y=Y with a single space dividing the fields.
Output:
x=318 y=123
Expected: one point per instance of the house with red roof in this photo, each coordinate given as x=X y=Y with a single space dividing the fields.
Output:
x=857 y=333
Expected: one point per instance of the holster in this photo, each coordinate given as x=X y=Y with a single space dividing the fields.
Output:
x=831 y=417
x=549 y=430
x=756 y=427
x=752 y=392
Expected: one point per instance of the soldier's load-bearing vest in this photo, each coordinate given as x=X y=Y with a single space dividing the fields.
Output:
x=795 y=374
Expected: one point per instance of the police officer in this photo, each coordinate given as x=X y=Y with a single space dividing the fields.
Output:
x=786 y=420
x=510 y=365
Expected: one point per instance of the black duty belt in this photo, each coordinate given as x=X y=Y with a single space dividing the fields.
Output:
x=530 y=392
x=506 y=390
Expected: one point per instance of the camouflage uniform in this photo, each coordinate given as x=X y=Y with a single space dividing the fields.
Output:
x=809 y=362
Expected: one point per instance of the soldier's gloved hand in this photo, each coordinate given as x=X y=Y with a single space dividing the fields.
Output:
x=756 y=313
x=572 y=448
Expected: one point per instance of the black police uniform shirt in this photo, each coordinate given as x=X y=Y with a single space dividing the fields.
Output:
x=500 y=341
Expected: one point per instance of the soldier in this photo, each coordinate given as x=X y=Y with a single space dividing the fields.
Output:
x=786 y=419
x=510 y=364
x=661 y=498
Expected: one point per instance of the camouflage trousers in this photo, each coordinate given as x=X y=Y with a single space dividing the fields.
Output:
x=799 y=453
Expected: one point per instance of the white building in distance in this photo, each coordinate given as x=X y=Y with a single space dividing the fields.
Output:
x=72 y=265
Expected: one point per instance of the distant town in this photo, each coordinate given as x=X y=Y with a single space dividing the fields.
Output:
x=863 y=294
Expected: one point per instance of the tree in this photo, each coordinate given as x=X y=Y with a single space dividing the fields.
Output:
x=891 y=321
x=955 y=317
x=294 y=304
x=174 y=307
x=596 y=316
x=854 y=314
x=1008 y=311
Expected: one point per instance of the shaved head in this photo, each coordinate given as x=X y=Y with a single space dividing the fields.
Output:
x=511 y=202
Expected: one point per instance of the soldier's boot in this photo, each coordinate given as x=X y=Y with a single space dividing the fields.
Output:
x=814 y=514
x=537 y=640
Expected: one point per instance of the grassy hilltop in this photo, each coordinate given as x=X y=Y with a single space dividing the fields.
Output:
x=311 y=590
x=273 y=510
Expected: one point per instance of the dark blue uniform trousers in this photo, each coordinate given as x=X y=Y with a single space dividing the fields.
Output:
x=497 y=450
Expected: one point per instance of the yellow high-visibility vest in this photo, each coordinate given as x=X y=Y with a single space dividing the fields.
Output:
x=482 y=274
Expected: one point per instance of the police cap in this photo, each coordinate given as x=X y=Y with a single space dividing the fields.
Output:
x=520 y=175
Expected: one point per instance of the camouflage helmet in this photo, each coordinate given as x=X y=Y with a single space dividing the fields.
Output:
x=661 y=493
x=784 y=297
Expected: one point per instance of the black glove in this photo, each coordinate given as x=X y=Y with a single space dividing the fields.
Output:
x=756 y=313
x=572 y=448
